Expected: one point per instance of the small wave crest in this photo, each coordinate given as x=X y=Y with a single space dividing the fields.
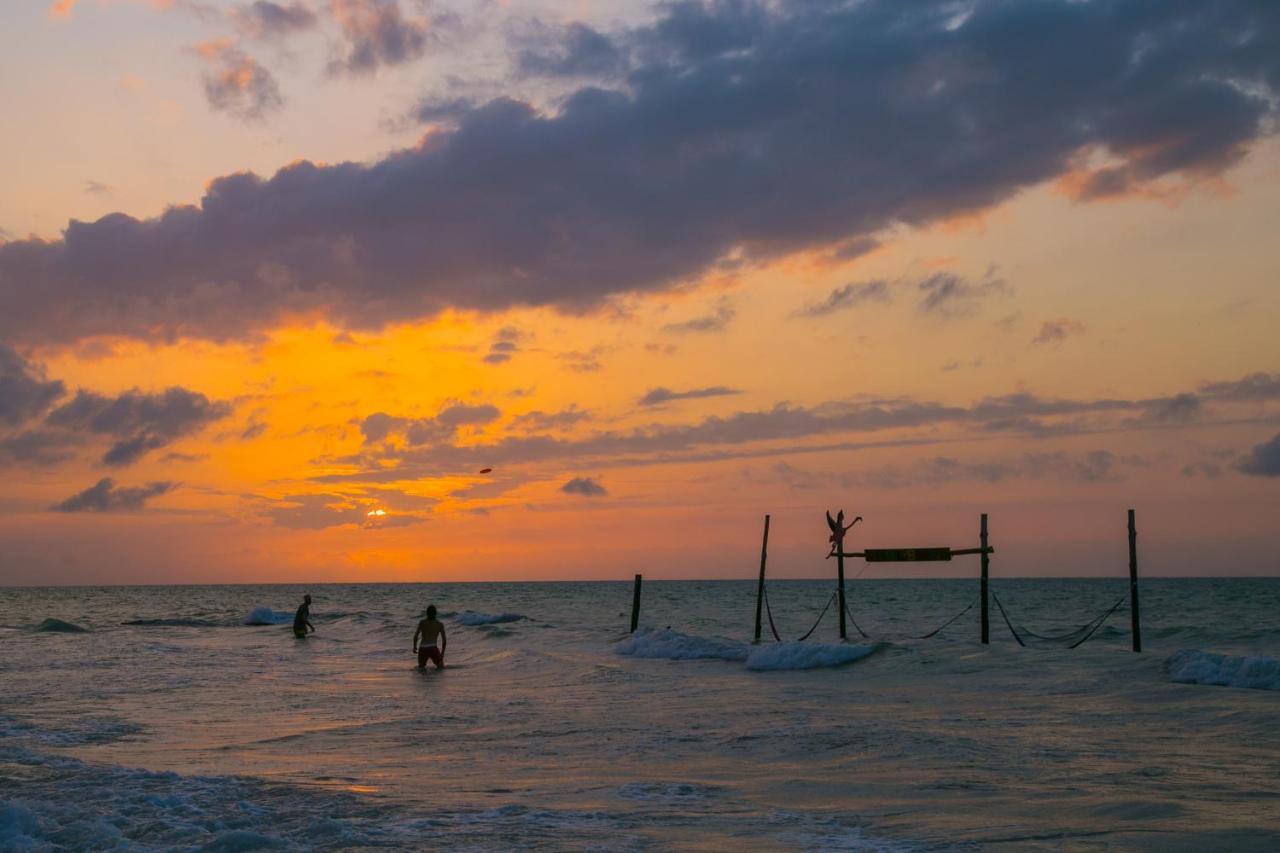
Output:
x=1192 y=666
x=673 y=645
x=58 y=626
x=473 y=618
x=796 y=655
x=267 y=616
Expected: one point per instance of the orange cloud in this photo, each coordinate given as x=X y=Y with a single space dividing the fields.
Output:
x=61 y=9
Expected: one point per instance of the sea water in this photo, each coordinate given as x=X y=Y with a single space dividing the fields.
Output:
x=187 y=717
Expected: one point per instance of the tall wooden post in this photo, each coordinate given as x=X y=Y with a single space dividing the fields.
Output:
x=840 y=588
x=635 y=606
x=986 y=562
x=1133 y=583
x=764 y=553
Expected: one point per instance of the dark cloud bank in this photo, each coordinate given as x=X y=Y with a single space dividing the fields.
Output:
x=38 y=428
x=727 y=130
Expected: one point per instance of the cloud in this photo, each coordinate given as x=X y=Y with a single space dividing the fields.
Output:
x=1095 y=466
x=946 y=294
x=505 y=344
x=237 y=84
x=138 y=421
x=540 y=421
x=584 y=486
x=25 y=393
x=1263 y=460
x=96 y=187
x=263 y=20
x=658 y=396
x=380 y=509
x=798 y=126
x=574 y=50
x=1056 y=331
x=37 y=448
x=1256 y=387
x=716 y=321
x=1180 y=408
x=376 y=34
x=103 y=496
x=783 y=428
x=418 y=431
x=843 y=298
x=580 y=361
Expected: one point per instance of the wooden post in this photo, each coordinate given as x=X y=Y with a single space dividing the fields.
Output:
x=840 y=588
x=1133 y=584
x=986 y=561
x=764 y=553
x=635 y=606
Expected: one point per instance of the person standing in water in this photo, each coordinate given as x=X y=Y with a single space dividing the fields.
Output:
x=302 y=619
x=430 y=629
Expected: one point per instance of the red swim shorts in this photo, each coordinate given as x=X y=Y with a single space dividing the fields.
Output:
x=430 y=653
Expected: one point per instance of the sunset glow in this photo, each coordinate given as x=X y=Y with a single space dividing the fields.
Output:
x=288 y=298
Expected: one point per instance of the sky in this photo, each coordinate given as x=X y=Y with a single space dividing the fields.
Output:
x=404 y=290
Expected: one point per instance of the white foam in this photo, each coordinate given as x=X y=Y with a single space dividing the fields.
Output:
x=267 y=616
x=672 y=645
x=473 y=618
x=1191 y=666
x=796 y=655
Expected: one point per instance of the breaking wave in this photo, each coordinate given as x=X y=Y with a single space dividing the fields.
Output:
x=473 y=618
x=267 y=616
x=1191 y=666
x=672 y=645
x=796 y=655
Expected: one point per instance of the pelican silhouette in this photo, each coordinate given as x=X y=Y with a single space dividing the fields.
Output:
x=839 y=529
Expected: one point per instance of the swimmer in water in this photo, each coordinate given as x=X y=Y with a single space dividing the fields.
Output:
x=302 y=619
x=430 y=629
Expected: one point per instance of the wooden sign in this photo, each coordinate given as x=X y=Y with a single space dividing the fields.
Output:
x=907 y=555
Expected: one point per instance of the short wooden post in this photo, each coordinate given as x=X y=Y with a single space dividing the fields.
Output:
x=635 y=606
x=986 y=562
x=1133 y=584
x=764 y=553
x=840 y=588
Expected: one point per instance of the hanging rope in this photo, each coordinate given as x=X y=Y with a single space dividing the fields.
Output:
x=769 y=610
x=996 y=598
x=943 y=625
x=927 y=636
x=1101 y=622
x=1087 y=630
x=847 y=612
x=820 y=615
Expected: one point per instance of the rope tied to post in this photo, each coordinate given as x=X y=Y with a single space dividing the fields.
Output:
x=1084 y=632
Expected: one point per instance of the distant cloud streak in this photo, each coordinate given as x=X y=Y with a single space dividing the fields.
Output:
x=659 y=396
x=104 y=496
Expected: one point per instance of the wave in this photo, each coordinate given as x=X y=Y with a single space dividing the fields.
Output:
x=796 y=655
x=672 y=645
x=267 y=616
x=59 y=627
x=473 y=618
x=1192 y=666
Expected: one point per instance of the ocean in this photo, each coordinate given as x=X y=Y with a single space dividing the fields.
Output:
x=189 y=717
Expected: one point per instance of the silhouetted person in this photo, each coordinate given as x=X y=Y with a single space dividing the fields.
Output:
x=302 y=619
x=430 y=629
